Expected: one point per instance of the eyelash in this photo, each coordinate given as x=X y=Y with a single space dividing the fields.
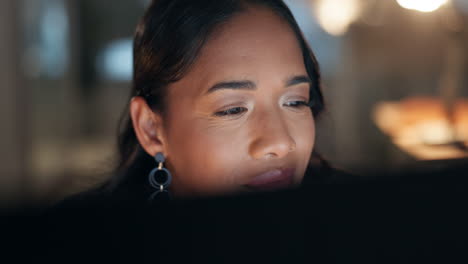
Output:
x=239 y=110
x=231 y=111
x=299 y=104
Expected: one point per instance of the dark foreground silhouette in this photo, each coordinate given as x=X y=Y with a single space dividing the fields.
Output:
x=405 y=218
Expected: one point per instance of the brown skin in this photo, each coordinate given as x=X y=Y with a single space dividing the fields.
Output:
x=209 y=152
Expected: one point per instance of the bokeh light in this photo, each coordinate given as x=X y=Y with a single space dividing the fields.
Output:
x=335 y=16
x=422 y=5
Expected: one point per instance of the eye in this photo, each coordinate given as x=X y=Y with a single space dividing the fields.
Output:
x=231 y=111
x=297 y=104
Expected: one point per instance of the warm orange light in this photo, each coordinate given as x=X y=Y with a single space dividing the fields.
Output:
x=420 y=126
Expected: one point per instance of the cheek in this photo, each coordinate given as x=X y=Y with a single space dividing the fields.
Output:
x=307 y=134
x=203 y=159
x=304 y=136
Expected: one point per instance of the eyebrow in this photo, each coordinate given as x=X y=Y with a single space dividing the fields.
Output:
x=235 y=85
x=295 y=80
x=250 y=85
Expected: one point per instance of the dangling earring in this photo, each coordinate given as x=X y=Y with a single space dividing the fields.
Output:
x=159 y=178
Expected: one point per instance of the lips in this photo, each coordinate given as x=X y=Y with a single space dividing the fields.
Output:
x=272 y=180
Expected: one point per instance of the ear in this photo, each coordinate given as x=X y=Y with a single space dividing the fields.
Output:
x=148 y=126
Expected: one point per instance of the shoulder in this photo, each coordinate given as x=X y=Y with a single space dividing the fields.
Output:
x=106 y=195
x=92 y=197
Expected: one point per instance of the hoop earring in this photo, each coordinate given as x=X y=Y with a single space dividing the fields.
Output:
x=159 y=178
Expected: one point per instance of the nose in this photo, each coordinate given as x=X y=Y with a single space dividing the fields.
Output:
x=271 y=138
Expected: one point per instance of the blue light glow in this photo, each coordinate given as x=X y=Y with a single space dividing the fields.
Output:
x=115 y=61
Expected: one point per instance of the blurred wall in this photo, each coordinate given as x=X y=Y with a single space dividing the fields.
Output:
x=14 y=140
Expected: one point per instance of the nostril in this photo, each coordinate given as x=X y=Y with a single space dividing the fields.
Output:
x=292 y=147
x=278 y=150
x=271 y=142
x=272 y=146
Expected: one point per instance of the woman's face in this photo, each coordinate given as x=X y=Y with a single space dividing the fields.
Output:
x=238 y=120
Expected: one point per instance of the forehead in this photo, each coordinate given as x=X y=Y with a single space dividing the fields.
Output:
x=256 y=44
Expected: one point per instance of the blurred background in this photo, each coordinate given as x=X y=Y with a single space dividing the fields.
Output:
x=395 y=81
